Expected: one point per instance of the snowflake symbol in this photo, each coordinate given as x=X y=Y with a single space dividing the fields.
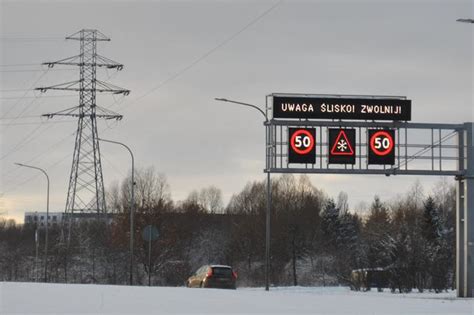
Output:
x=342 y=145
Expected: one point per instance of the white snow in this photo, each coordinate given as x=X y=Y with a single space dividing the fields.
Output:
x=34 y=298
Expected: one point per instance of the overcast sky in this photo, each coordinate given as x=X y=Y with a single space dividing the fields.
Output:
x=179 y=55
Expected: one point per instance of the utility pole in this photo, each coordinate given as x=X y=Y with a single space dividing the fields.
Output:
x=86 y=184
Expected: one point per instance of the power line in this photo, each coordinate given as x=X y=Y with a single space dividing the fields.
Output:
x=33 y=135
x=24 y=117
x=21 y=65
x=44 y=96
x=22 y=111
x=35 y=98
x=24 y=141
x=48 y=150
x=53 y=165
x=37 y=123
x=34 y=70
x=205 y=55
x=52 y=146
x=13 y=188
x=113 y=165
x=24 y=94
x=32 y=38
x=17 y=90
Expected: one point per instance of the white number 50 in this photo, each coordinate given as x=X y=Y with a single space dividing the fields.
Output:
x=382 y=143
x=304 y=141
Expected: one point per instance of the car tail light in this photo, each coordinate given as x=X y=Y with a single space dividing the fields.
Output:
x=209 y=273
x=234 y=275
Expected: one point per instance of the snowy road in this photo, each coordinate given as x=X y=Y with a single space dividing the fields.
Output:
x=31 y=298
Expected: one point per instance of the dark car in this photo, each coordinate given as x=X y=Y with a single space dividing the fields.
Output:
x=213 y=276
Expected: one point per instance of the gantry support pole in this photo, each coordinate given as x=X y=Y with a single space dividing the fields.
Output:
x=465 y=214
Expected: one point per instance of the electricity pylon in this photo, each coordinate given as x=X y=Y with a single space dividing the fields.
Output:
x=86 y=184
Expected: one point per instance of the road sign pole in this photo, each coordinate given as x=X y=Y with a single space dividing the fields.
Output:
x=149 y=259
x=149 y=233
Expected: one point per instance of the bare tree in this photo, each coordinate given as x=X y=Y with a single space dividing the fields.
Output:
x=210 y=199
x=151 y=188
x=342 y=202
x=416 y=195
x=114 y=204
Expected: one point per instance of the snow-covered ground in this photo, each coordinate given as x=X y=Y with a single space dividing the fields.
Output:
x=31 y=298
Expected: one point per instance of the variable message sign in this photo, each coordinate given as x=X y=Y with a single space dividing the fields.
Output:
x=301 y=145
x=381 y=146
x=313 y=107
x=342 y=145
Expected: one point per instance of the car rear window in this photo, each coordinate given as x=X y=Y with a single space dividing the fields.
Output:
x=222 y=272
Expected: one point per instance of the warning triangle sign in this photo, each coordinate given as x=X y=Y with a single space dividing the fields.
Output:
x=342 y=145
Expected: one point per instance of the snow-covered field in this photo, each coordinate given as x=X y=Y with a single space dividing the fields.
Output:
x=31 y=298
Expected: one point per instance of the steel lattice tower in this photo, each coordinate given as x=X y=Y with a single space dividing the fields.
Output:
x=86 y=184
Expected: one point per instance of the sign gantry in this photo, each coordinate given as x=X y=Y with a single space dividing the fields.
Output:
x=358 y=134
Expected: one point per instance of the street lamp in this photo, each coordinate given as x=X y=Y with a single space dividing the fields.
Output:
x=47 y=218
x=269 y=194
x=132 y=205
x=36 y=248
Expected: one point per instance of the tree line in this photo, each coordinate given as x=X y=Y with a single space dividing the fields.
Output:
x=315 y=239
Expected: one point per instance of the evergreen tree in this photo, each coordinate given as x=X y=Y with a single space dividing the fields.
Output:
x=376 y=233
x=431 y=227
x=330 y=225
x=437 y=249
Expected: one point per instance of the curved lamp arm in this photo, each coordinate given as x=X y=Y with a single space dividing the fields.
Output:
x=244 y=104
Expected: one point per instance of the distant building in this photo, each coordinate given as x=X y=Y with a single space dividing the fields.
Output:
x=55 y=218
x=39 y=218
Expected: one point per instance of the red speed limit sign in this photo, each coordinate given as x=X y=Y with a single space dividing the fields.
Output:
x=301 y=145
x=381 y=146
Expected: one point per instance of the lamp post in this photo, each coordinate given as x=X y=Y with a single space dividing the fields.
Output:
x=269 y=193
x=132 y=205
x=36 y=248
x=47 y=218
